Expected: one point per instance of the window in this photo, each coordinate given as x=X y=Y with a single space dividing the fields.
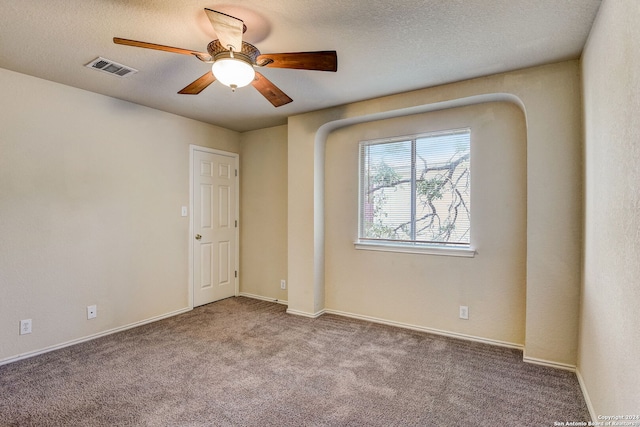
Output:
x=415 y=191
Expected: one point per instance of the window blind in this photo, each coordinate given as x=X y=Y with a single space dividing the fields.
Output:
x=416 y=189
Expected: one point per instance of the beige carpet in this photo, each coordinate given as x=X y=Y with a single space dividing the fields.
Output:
x=243 y=362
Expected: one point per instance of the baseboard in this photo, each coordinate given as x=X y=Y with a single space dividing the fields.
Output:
x=386 y=322
x=426 y=329
x=289 y=310
x=585 y=394
x=305 y=314
x=557 y=365
x=92 y=337
x=261 y=298
x=552 y=364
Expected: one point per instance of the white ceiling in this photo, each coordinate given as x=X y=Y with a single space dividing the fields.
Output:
x=384 y=47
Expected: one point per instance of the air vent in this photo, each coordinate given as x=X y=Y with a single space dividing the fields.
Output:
x=111 y=67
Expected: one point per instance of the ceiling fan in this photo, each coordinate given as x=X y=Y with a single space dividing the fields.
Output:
x=234 y=60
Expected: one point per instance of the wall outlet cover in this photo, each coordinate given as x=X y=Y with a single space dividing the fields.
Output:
x=92 y=312
x=25 y=326
x=464 y=312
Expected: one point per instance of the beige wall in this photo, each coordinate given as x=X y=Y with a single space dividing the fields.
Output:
x=76 y=160
x=420 y=289
x=550 y=97
x=263 y=221
x=610 y=321
x=91 y=190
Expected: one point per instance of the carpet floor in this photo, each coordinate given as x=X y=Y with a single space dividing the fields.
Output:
x=244 y=362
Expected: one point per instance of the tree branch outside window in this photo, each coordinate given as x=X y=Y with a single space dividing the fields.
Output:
x=417 y=190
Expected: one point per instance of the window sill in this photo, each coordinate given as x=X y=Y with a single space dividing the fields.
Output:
x=417 y=249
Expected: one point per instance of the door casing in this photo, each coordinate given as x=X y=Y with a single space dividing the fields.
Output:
x=236 y=157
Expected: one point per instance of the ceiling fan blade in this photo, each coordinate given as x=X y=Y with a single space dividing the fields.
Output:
x=199 y=85
x=326 y=60
x=228 y=29
x=203 y=56
x=270 y=91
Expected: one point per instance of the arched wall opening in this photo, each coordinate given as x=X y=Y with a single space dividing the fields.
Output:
x=424 y=291
x=549 y=96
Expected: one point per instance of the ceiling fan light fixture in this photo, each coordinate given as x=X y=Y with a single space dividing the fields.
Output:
x=233 y=72
x=233 y=60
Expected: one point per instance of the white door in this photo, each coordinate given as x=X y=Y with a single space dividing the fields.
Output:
x=214 y=226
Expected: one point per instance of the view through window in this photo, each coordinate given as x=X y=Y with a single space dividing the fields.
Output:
x=416 y=190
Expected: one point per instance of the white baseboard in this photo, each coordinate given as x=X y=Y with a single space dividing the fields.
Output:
x=552 y=364
x=388 y=322
x=283 y=302
x=585 y=393
x=426 y=329
x=91 y=337
x=305 y=314
x=261 y=298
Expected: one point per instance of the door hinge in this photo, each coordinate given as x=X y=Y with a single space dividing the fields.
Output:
x=236 y=172
x=236 y=273
x=236 y=223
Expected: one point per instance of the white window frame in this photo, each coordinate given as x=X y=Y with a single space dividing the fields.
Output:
x=445 y=249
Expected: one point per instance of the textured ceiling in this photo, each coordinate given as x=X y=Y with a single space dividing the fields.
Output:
x=384 y=47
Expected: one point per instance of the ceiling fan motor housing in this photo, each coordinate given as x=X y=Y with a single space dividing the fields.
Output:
x=249 y=52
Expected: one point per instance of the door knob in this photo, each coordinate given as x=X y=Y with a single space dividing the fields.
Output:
x=198 y=237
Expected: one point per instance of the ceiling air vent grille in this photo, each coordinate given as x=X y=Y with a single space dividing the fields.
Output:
x=111 y=67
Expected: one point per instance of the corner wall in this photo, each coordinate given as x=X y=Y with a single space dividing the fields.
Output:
x=91 y=190
x=263 y=220
x=609 y=323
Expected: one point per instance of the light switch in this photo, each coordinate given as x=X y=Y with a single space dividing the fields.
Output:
x=184 y=211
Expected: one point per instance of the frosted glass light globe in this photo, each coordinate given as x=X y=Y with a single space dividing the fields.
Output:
x=233 y=72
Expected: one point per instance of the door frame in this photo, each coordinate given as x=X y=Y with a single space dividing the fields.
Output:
x=236 y=157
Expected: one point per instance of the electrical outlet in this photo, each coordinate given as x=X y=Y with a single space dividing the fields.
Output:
x=92 y=311
x=283 y=284
x=25 y=326
x=464 y=312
